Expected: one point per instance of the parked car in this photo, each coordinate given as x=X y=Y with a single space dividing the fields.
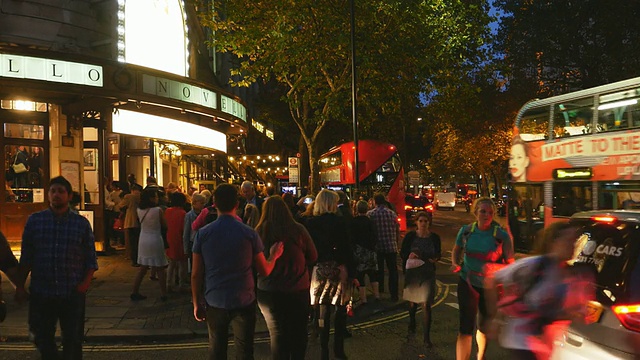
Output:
x=610 y=244
x=445 y=200
x=415 y=204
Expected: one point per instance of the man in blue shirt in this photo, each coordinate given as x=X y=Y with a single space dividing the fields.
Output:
x=224 y=255
x=58 y=250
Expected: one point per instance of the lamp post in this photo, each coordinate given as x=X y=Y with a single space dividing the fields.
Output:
x=353 y=99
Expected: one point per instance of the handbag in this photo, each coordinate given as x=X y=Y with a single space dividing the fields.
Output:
x=118 y=224
x=18 y=168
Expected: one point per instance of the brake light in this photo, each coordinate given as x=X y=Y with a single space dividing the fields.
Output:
x=605 y=219
x=417 y=197
x=629 y=316
x=408 y=207
x=429 y=207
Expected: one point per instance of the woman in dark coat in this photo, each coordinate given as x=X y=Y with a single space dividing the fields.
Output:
x=334 y=272
x=420 y=251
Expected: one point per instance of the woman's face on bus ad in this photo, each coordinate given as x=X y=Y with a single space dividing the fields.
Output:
x=518 y=162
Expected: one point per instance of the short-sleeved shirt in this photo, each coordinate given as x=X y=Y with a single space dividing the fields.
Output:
x=385 y=224
x=60 y=250
x=228 y=248
x=483 y=242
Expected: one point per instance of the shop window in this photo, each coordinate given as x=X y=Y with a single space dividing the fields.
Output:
x=571 y=197
x=23 y=105
x=91 y=186
x=24 y=174
x=23 y=131
x=573 y=118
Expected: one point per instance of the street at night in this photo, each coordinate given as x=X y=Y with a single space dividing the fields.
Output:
x=382 y=335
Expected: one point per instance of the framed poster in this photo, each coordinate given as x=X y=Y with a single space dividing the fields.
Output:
x=70 y=170
x=90 y=157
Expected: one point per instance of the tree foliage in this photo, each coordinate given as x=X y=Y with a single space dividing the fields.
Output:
x=553 y=47
x=403 y=49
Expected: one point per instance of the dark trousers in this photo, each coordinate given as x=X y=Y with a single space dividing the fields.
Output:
x=286 y=316
x=340 y=328
x=243 y=323
x=392 y=266
x=45 y=312
x=134 y=237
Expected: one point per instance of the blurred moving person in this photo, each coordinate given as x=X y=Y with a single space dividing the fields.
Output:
x=364 y=241
x=536 y=292
x=387 y=232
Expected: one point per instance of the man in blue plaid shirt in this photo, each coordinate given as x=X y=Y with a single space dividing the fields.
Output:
x=58 y=250
x=387 y=230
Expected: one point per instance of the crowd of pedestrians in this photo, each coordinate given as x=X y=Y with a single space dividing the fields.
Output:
x=295 y=260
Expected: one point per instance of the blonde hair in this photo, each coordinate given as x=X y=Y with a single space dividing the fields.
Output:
x=483 y=200
x=326 y=202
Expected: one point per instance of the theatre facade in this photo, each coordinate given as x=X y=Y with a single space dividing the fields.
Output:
x=98 y=90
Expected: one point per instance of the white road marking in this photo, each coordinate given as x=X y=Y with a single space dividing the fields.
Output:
x=454 y=293
x=453 y=305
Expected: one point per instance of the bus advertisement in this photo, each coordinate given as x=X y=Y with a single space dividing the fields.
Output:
x=380 y=172
x=574 y=152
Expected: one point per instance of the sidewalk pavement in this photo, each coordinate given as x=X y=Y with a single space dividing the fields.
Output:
x=112 y=317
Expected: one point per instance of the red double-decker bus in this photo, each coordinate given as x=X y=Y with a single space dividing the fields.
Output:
x=380 y=172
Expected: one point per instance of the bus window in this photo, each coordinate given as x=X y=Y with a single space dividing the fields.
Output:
x=619 y=111
x=571 y=197
x=573 y=118
x=619 y=195
x=534 y=124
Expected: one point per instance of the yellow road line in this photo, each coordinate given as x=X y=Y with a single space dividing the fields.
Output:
x=443 y=291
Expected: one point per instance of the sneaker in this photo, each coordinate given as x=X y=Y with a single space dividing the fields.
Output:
x=137 y=297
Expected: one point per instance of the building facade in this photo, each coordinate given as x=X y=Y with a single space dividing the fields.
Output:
x=98 y=90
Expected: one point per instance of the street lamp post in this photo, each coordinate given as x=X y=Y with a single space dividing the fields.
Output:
x=353 y=100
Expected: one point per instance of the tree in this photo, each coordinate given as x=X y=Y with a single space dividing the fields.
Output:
x=553 y=47
x=402 y=47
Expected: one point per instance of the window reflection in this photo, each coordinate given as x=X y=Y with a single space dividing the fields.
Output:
x=24 y=173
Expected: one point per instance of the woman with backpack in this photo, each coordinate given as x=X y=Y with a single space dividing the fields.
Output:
x=420 y=251
x=478 y=244
x=539 y=291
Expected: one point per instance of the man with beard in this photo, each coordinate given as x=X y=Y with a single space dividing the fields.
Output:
x=58 y=250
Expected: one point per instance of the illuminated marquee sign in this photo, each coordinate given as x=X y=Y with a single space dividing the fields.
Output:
x=157 y=127
x=179 y=91
x=269 y=134
x=230 y=106
x=572 y=173
x=27 y=67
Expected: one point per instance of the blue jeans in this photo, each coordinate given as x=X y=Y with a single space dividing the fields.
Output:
x=286 y=314
x=243 y=323
x=44 y=313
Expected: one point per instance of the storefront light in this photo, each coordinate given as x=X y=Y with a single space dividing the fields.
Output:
x=157 y=127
